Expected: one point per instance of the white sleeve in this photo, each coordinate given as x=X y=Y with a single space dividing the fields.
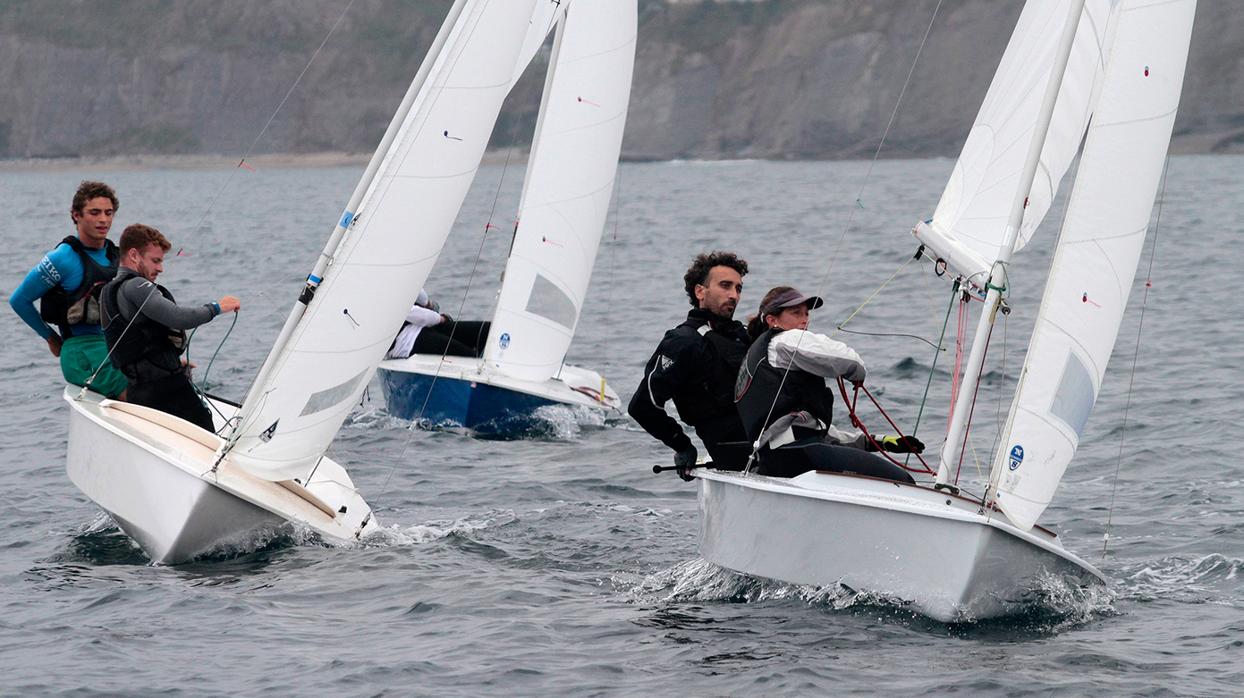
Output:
x=816 y=354
x=422 y=317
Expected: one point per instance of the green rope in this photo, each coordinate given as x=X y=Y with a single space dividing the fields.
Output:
x=203 y=383
x=954 y=295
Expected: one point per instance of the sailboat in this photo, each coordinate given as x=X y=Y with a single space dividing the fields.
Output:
x=561 y=216
x=1105 y=72
x=180 y=491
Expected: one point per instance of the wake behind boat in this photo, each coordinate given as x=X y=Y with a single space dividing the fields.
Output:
x=1105 y=73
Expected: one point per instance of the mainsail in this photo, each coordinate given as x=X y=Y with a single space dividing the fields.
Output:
x=567 y=189
x=1097 y=254
x=970 y=220
x=388 y=243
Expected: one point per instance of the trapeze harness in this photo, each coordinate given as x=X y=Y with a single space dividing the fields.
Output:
x=147 y=352
x=81 y=307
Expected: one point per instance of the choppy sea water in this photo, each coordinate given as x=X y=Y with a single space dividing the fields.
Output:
x=561 y=564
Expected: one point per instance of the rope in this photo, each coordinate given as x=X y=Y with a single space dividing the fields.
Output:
x=859 y=424
x=954 y=292
x=1131 y=381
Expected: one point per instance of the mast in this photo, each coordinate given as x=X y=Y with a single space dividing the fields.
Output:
x=952 y=449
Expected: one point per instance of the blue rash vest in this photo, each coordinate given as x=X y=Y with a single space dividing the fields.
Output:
x=60 y=267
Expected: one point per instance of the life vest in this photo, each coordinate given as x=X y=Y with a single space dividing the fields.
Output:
x=761 y=393
x=142 y=348
x=713 y=400
x=81 y=307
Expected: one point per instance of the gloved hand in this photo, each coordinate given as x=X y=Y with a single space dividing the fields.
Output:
x=433 y=306
x=901 y=444
x=685 y=461
x=446 y=318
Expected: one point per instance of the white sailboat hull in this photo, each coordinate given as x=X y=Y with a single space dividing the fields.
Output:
x=934 y=551
x=151 y=472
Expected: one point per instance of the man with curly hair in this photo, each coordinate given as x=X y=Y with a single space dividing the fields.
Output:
x=67 y=283
x=696 y=365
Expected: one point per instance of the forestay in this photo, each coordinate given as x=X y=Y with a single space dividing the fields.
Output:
x=390 y=242
x=566 y=193
x=968 y=226
x=1098 y=251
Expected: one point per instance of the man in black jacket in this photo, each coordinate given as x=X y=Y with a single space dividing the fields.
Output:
x=696 y=365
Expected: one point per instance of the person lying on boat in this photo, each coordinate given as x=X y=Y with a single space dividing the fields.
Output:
x=146 y=329
x=695 y=364
x=67 y=282
x=426 y=330
x=787 y=408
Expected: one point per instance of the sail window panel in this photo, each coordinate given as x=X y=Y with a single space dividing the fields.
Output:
x=1075 y=395
x=550 y=302
x=328 y=397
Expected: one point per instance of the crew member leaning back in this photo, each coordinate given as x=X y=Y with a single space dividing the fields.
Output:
x=67 y=283
x=146 y=329
x=696 y=364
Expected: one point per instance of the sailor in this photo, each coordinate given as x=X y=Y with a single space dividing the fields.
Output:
x=145 y=328
x=695 y=365
x=426 y=330
x=785 y=405
x=67 y=282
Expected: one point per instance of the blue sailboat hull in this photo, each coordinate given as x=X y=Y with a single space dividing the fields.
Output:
x=479 y=406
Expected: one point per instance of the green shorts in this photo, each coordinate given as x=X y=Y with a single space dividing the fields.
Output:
x=80 y=356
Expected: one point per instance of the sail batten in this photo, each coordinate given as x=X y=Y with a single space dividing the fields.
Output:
x=1095 y=263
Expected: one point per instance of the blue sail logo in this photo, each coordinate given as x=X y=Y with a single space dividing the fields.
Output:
x=1017 y=457
x=504 y=341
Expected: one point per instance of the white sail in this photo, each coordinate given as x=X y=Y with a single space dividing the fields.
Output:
x=567 y=190
x=971 y=219
x=543 y=18
x=1096 y=259
x=390 y=242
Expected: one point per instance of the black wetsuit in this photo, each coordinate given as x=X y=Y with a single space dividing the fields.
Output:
x=453 y=338
x=695 y=365
x=764 y=396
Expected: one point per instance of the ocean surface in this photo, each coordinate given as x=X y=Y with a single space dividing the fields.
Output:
x=559 y=564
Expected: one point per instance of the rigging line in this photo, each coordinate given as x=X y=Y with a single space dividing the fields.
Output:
x=954 y=296
x=221 y=190
x=873 y=295
x=877 y=153
x=887 y=334
x=1131 y=382
x=967 y=425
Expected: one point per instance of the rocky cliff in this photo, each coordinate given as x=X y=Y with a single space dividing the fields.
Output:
x=713 y=79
